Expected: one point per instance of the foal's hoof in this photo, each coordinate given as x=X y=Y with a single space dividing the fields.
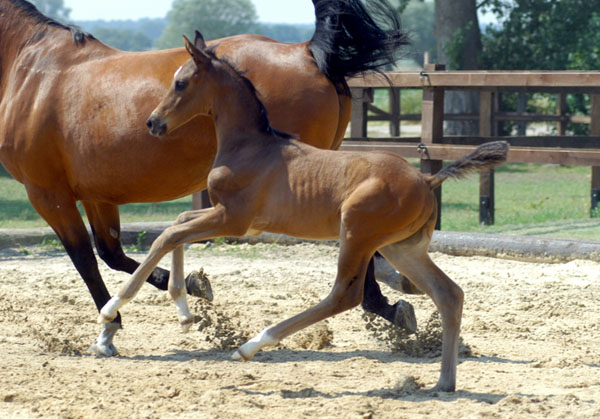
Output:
x=186 y=324
x=104 y=318
x=405 y=316
x=198 y=285
x=239 y=356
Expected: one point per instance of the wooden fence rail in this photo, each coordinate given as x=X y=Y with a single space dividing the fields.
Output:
x=433 y=147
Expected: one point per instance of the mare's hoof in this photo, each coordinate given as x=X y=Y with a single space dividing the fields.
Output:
x=102 y=350
x=198 y=285
x=450 y=388
x=405 y=316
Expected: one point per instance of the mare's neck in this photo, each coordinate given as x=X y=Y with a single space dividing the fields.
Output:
x=20 y=27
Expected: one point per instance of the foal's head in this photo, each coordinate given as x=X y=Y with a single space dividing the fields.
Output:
x=194 y=86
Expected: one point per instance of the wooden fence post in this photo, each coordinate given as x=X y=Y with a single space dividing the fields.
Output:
x=200 y=200
x=595 y=131
x=521 y=109
x=486 y=177
x=394 y=111
x=360 y=103
x=432 y=130
x=561 y=110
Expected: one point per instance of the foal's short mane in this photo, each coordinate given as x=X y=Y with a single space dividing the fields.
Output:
x=264 y=124
x=31 y=11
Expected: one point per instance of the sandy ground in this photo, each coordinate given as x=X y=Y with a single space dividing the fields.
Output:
x=531 y=343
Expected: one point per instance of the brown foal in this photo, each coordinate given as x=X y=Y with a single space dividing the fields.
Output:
x=265 y=180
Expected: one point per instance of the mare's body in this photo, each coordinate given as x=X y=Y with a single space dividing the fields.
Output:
x=73 y=111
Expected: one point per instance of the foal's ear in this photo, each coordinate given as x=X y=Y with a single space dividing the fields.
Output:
x=199 y=41
x=197 y=53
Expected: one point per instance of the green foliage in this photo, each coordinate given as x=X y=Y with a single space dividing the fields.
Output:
x=53 y=8
x=544 y=35
x=284 y=32
x=123 y=39
x=454 y=48
x=401 y=5
x=410 y=100
x=418 y=20
x=214 y=18
x=151 y=28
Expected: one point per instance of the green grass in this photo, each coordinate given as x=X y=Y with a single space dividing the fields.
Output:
x=531 y=199
x=17 y=212
x=542 y=200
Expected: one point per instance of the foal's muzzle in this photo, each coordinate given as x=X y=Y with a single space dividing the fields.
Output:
x=156 y=125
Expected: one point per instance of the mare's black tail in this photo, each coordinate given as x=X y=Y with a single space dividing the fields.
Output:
x=353 y=36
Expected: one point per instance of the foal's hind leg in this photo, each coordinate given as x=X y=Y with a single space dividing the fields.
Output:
x=411 y=259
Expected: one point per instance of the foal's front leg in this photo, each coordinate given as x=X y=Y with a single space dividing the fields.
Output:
x=209 y=225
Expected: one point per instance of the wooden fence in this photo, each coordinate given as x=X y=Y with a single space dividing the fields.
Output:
x=433 y=147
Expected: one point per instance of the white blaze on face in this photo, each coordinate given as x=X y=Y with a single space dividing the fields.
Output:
x=177 y=72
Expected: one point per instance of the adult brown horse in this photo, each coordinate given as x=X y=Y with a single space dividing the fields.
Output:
x=73 y=112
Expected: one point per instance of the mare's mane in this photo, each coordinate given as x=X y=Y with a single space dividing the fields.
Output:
x=31 y=11
x=264 y=124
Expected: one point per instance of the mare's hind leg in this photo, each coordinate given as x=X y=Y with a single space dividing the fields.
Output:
x=386 y=273
x=401 y=314
x=59 y=210
x=106 y=228
x=411 y=259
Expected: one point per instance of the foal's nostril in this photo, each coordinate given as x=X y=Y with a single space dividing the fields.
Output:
x=149 y=123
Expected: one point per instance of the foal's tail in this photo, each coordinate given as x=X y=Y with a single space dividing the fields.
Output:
x=485 y=156
x=353 y=36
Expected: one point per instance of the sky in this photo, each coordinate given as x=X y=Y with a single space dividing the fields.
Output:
x=273 y=11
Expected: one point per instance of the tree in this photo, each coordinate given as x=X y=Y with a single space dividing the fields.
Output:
x=459 y=46
x=418 y=20
x=457 y=34
x=285 y=32
x=214 y=18
x=53 y=8
x=545 y=35
x=124 y=39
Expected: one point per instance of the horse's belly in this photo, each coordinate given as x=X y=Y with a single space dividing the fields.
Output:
x=305 y=225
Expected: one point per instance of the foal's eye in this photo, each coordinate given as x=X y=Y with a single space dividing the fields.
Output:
x=180 y=85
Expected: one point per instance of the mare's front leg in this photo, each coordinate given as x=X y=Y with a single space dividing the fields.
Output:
x=209 y=225
x=106 y=229
x=59 y=209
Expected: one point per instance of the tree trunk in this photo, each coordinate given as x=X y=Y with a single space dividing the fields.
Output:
x=459 y=47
